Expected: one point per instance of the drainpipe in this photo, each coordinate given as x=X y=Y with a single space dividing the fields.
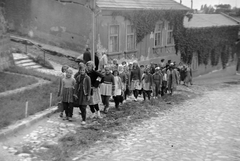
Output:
x=93 y=31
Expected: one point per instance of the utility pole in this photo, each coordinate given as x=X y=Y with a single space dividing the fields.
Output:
x=93 y=31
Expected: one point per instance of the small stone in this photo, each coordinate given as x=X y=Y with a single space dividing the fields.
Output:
x=12 y=150
x=43 y=148
x=76 y=158
x=24 y=155
x=5 y=147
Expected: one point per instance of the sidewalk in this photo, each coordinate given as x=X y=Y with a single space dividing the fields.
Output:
x=225 y=75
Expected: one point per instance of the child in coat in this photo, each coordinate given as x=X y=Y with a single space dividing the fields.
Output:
x=83 y=91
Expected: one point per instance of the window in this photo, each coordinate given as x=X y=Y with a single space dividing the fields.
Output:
x=170 y=34
x=114 y=38
x=158 y=34
x=130 y=38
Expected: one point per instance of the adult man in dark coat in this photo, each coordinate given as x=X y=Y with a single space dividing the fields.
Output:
x=87 y=55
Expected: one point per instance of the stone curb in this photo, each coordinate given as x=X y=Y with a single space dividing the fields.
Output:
x=27 y=122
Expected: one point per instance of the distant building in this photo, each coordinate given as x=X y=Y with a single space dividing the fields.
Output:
x=201 y=21
x=118 y=35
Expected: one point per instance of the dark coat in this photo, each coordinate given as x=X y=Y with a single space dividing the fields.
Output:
x=87 y=56
x=83 y=89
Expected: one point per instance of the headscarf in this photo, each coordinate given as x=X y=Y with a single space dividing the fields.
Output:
x=90 y=63
x=120 y=68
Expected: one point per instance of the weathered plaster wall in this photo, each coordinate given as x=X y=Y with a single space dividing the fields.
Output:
x=6 y=58
x=204 y=69
x=67 y=25
x=144 y=52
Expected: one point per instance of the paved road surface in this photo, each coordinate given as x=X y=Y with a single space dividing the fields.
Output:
x=203 y=129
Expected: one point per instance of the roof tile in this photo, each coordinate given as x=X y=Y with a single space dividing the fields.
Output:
x=140 y=4
x=208 y=20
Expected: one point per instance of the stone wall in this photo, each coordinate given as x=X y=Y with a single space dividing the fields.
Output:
x=6 y=58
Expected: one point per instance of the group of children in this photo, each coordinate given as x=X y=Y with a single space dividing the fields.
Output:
x=89 y=87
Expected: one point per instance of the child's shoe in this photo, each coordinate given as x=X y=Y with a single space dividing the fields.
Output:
x=83 y=123
x=93 y=115
x=70 y=119
x=99 y=115
x=61 y=114
x=66 y=118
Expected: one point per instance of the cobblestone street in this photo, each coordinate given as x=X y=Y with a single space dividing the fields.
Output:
x=203 y=129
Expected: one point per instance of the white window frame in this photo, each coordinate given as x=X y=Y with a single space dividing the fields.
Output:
x=169 y=31
x=113 y=35
x=130 y=34
x=156 y=32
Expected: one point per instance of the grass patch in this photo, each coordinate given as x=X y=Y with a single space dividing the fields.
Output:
x=32 y=72
x=13 y=106
x=113 y=125
x=10 y=81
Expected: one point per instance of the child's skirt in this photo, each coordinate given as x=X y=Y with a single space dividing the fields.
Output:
x=95 y=96
x=135 y=85
x=67 y=95
x=106 y=89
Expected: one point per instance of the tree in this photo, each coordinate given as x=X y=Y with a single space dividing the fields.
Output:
x=226 y=8
x=207 y=9
x=223 y=6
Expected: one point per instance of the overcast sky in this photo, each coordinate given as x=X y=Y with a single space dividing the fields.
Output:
x=197 y=3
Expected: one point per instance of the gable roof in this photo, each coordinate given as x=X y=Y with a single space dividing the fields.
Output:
x=140 y=5
x=209 y=20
